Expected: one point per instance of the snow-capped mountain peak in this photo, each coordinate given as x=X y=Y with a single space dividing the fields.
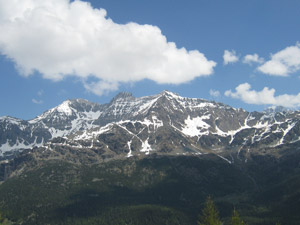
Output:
x=65 y=108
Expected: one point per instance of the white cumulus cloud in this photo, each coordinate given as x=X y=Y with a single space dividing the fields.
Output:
x=264 y=97
x=230 y=57
x=59 y=38
x=214 y=93
x=283 y=63
x=249 y=59
x=101 y=87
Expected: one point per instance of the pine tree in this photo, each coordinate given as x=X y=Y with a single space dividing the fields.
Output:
x=235 y=219
x=210 y=214
x=1 y=218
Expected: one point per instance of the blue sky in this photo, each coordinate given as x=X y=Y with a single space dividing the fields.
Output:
x=55 y=50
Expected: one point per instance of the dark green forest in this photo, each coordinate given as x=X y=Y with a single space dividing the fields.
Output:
x=155 y=190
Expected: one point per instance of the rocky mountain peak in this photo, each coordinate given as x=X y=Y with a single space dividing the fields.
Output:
x=123 y=96
x=169 y=94
x=83 y=105
x=70 y=107
x=277 y=109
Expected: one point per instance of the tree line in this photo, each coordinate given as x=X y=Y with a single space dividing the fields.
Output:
x=210 y=215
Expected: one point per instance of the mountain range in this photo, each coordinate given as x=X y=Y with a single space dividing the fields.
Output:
x=163 y=123
x=149 y=159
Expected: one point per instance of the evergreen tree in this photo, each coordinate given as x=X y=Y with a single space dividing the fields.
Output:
x=235 y=219
x=210 y=214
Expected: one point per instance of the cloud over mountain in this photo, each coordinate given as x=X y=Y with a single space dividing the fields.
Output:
x=59 y=38
x=264 y=97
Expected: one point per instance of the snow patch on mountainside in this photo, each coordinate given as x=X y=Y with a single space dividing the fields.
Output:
x=196 y=126
x=227 y=160
x=93 y=133
x=146 y=147
x=194 y=104
x=285 y=131
x=156 y=123
x=261 y=124
x=92 y=115
x=19 y=145
x=58 y=133
x=5 y=148
x=129 y=146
